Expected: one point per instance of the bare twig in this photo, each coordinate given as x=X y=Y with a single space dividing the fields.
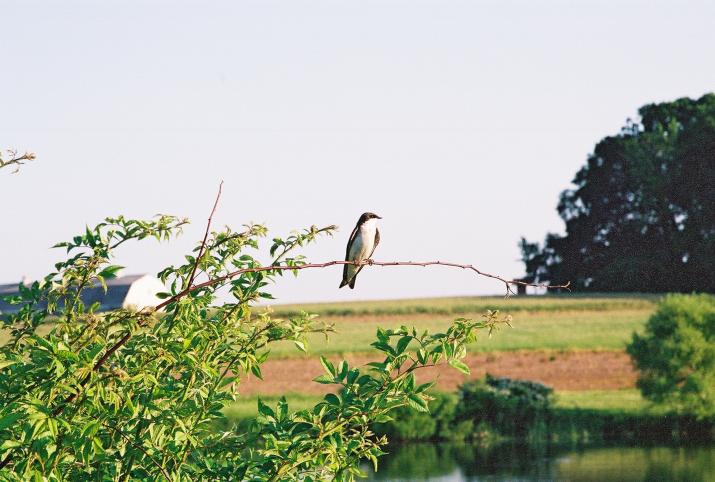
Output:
x=16 y=160
x=507 y=282
x=206 y=235
x=136 y=445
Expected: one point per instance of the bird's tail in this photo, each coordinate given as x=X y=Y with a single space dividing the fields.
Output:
x=350 y=283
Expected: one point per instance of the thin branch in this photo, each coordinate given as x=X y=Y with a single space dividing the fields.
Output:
x=206 y=236
x=128 y=439
x=16 y=160
x=507 y=282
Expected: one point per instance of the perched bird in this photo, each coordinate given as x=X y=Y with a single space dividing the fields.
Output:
x=362 y=243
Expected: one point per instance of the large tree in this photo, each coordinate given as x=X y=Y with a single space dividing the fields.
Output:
x=642 y=214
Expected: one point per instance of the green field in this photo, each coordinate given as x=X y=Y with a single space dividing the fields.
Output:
x=539 y=322
x=476 y=304
x=558 y=322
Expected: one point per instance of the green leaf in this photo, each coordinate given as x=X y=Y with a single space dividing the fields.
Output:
x=110 y=271
x=10 y=444
x=332 y=399
x=10 y=419
x=459 y=365
x=417 y=402
x=97 y=444
x=325 y=379
x=352 y=376
x=329 y=368
x=377 y=366
x=402 y=344
x=265 y=410
x=422 y=356
x=423 y=387
x=256 y=370
x=410 y=382
x=7 y=363
x=383 y=346
x=342 y=370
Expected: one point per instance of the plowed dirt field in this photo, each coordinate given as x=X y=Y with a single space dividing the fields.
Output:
x=561 y=370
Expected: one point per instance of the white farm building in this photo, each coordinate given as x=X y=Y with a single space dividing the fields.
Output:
x=133 y=291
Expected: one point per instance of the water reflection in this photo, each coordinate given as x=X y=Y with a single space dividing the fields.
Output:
x=463 y=462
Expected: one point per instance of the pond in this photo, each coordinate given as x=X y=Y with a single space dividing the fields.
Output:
x=463 y=462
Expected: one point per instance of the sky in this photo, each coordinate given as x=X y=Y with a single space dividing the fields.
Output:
x=459 y=122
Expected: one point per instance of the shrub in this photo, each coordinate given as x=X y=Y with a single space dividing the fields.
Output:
x=407 y=424
x=138 y=395
x=676 y=354
x=511 y=407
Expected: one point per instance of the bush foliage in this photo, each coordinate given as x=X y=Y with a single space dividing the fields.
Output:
x=495 y=410
x=676 y=354
x=138 y=395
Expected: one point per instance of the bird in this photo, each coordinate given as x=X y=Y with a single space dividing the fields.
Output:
x=362 y=243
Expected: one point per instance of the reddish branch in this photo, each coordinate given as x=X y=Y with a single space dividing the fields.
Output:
x=507 y=282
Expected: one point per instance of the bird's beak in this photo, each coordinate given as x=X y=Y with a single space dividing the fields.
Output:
x=378 y=217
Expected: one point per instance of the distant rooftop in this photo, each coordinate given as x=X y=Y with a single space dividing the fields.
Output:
x=137 y=290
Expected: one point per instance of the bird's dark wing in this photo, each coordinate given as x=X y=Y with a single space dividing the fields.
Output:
x=377 y=241
x=347 y=255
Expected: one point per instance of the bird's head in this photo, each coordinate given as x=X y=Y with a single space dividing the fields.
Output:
x=368 y=216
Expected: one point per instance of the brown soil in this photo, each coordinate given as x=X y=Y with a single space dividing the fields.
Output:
x=577 y=370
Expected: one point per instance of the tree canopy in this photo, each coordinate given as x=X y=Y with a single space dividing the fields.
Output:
x=676 y=354
x=642 y=214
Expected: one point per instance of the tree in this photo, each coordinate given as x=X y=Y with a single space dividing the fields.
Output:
x=137 y=395
x=676 y=354
x=642 y=214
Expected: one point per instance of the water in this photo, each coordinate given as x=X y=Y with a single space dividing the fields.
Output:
x=462 y=463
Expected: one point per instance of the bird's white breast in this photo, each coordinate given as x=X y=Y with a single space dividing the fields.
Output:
x=364 y=240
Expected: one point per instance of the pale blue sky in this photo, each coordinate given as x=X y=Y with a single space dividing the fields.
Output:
x=460 y=121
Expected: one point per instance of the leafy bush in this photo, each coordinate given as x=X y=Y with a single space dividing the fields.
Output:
x=486 y=409
x=407 y=424
x=139 y=395
x=511 y=407
x=676 y=354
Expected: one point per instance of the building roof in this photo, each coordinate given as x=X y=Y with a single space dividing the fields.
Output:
x=115 y=297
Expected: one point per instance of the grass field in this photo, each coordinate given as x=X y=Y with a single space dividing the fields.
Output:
x=558 y=322
x=476 y=304
x=544 y=322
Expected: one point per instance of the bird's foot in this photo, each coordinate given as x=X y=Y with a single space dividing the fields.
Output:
x=369 y=261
